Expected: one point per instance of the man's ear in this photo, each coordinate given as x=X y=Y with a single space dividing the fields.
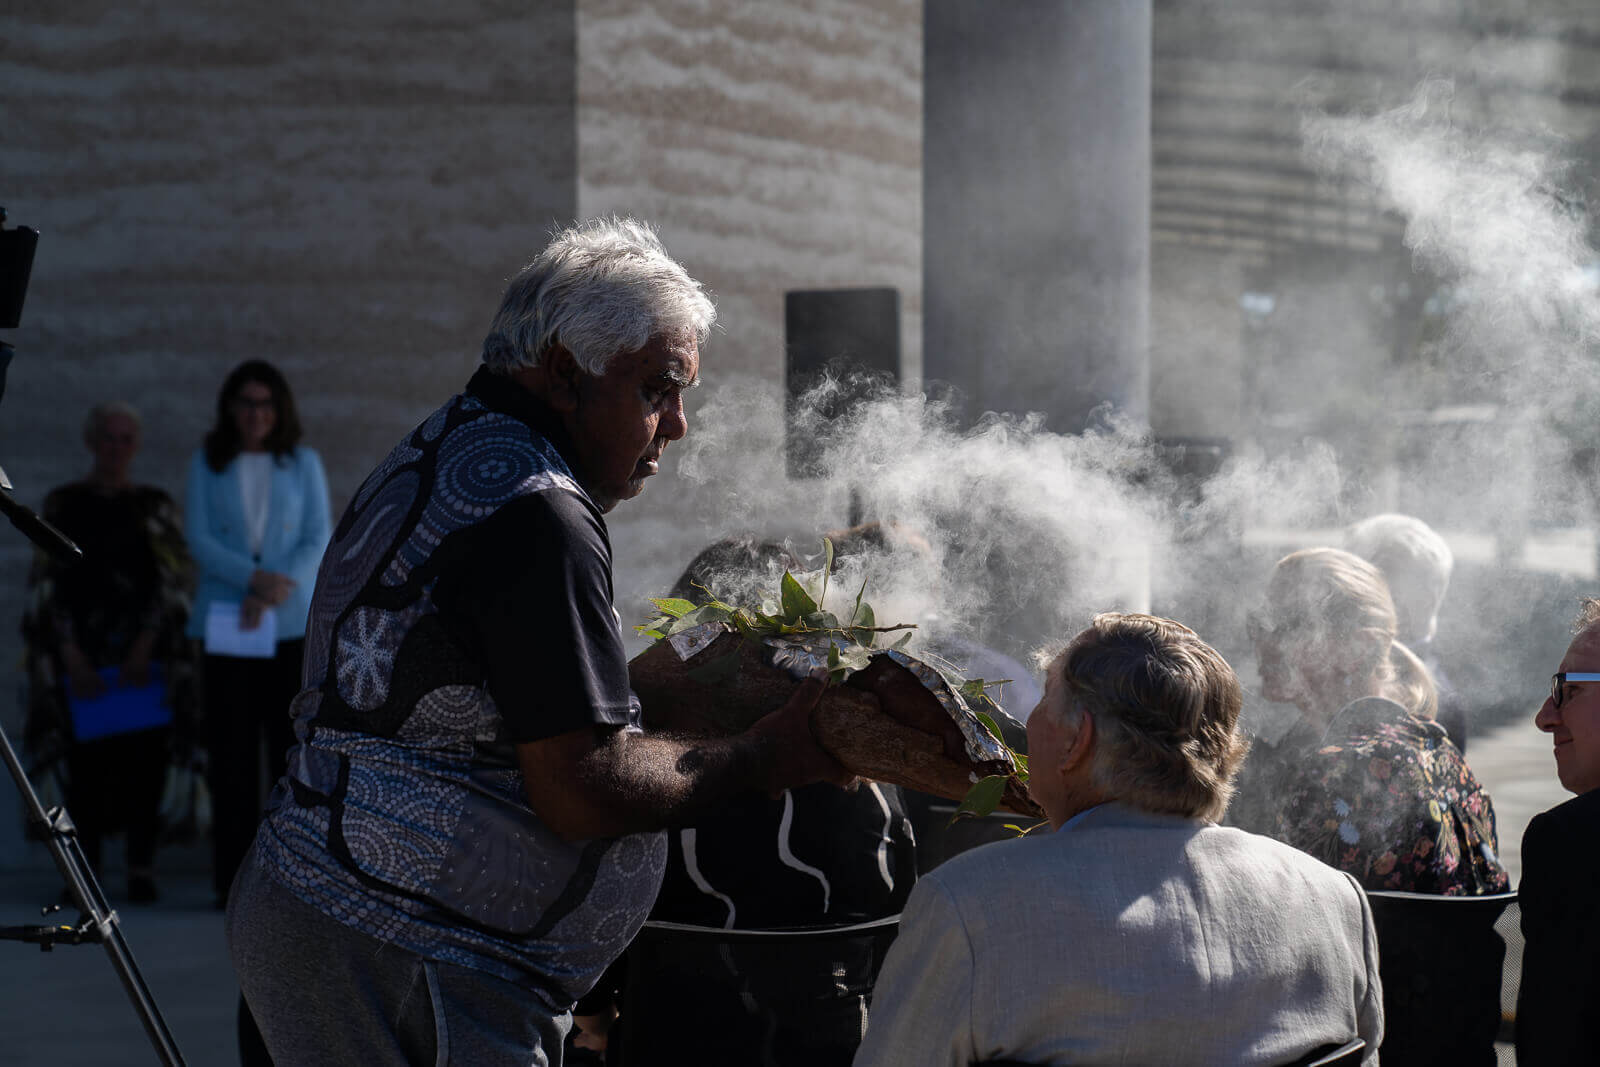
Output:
x=563 y=379
x=1081 y=747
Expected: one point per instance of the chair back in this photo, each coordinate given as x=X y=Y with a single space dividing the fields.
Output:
x=697 y=994
x=1345 y=1055
x=1442 y=962
x=941 y=836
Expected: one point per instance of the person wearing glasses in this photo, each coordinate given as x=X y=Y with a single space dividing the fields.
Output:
x=1366 y=781
x=257 y=519
x=1556 y=1020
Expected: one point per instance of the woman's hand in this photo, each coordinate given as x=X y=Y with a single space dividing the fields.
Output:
x=250 y=612
x=84 y=681
x=135 y=670
x=272 y=587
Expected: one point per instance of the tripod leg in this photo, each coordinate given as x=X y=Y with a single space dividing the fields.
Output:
x=98 y=920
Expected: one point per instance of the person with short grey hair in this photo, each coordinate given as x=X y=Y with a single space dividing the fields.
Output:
x=1416 y=564
x=99 y=413
x=1138 y=931
x=599 y=288
x=469 y=830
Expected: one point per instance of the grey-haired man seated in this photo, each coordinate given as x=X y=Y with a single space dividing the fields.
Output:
x=1139 y=931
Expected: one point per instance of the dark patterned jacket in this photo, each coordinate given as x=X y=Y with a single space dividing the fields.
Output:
x=464 y=606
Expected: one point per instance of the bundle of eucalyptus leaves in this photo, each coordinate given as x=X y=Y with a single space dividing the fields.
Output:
x=796 y=614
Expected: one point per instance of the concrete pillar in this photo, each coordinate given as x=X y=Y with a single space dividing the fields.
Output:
x=1036 y=205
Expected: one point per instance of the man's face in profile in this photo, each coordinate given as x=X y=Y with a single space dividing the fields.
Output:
x=1574 y=727
x=624 y=418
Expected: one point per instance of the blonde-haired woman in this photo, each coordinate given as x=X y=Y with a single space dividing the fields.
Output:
x=1368 y=782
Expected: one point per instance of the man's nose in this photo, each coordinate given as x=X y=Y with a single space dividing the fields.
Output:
x=674 y=422
x=1549 y=716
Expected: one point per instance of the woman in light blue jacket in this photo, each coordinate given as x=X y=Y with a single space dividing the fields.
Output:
x=257 y=522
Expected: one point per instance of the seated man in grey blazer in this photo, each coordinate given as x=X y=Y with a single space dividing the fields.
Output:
x=1138 y=931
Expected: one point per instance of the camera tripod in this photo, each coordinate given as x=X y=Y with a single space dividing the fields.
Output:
x=97 y=922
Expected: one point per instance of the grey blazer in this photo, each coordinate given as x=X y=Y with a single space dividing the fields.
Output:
x=1128 y=938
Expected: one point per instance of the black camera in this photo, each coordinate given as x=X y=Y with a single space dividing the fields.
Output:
x=16 y=264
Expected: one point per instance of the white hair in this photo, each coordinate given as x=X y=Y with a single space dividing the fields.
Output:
x=600 y=288
x=1415 y=562
x=101 y=412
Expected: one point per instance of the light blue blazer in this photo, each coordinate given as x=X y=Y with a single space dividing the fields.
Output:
x=298 y=527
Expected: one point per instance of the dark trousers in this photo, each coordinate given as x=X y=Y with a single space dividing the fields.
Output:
x=246 y=700
x=115 y=784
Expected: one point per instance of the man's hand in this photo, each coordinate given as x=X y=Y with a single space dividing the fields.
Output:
x=272 y=587
x=799 y=760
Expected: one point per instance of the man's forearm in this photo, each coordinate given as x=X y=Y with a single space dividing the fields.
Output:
x=610 y=782
x=652 y=781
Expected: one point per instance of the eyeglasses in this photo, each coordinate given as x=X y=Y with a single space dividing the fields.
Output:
x=1559 y=682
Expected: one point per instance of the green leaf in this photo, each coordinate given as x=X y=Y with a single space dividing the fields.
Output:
x=797 y=603
x=677 y=607
x=861 y=625
x=705 y=613
x=654 y=624
x=827 y=569
x=654 y=635
x=982 y=798
x=972 y=689
x=821 y=620
x=990 y=725
x=901 y=642
x=856 y=611
x=720 y=670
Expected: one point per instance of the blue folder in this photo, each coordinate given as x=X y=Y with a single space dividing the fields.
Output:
x=121 y=709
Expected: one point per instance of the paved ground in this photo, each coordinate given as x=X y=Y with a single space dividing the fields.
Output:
x=67 y=1008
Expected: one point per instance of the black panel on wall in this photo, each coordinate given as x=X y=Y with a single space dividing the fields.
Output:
x=851 y=335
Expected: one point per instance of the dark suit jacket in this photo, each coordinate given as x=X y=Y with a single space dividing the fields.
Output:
x=1558 y=1004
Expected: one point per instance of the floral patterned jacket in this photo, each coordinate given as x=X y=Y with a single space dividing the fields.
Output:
x=1385 y=796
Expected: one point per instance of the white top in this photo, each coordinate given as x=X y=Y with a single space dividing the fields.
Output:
x=255 y=492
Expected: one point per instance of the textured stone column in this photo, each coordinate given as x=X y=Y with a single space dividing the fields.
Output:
x=1036 y=194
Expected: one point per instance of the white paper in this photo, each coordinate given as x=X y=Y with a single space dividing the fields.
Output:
x=225 y=638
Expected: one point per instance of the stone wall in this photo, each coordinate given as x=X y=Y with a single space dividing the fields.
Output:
x=778 y=146
x=344 y=188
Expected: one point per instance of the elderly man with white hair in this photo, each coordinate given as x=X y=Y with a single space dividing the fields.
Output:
x=1138 y=931
x=468 y=831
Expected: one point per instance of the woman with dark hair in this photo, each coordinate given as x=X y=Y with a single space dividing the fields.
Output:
x=257 y=522
x=1367 y=781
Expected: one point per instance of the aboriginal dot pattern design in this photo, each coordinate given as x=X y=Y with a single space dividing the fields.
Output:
x=404 y=814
